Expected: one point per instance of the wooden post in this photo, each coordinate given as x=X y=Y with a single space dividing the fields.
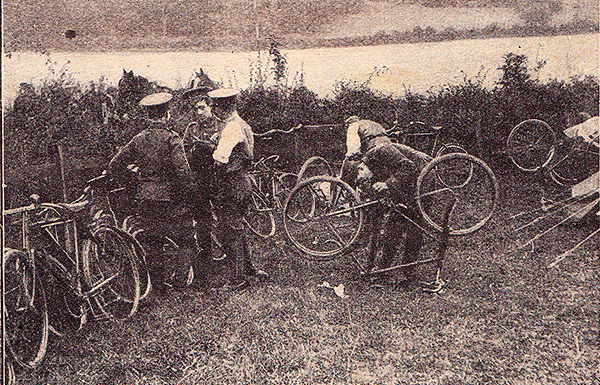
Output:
x=297 y=148
x=61 y=165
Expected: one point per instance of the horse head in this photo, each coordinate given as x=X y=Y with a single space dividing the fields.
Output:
x=132 y=88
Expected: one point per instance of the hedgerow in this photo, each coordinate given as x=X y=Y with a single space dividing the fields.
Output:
x=61 y=111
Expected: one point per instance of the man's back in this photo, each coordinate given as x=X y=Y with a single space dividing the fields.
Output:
x=160 y=157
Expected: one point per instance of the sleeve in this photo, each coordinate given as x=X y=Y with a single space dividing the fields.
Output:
x=124 y=157
x=183 y=173
x=230 y=137
x=352 y=141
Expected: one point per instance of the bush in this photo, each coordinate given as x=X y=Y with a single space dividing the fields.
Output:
x=61 y=111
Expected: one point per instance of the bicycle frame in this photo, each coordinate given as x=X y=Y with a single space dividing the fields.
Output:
x=401 y=134
x=61 y=235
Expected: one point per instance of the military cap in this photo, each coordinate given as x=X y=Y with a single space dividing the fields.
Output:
x=157 y=99
x=223 y=93
x=352 y=119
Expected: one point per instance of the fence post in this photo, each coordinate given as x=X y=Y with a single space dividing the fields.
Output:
x=61 y=165
x=297 y=148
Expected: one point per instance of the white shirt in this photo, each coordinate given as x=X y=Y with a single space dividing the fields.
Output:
x=353 y=140
x=236 y=131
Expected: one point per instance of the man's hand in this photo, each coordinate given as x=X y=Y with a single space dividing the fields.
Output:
x=380 y=187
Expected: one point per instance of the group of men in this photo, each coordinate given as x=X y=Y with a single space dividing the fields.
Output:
x=183 y=185
x=180 y=189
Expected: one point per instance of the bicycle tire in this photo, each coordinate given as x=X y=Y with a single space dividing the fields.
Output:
x=130 y=227
x=259 y=218
x=25 y=310
x=573 y=168
x=283 y=187
x=451 y=148
x=327 y=197
x=531 y=145
x=475 y=201
x=110 y=270
x=311 y=164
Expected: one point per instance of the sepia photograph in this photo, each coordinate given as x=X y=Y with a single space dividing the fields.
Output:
x=300 y=192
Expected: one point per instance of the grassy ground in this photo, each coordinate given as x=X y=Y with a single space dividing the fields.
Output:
x=500 y=320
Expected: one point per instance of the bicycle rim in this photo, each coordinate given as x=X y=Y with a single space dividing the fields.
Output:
x=110 y=270
x=259 y=218
x=319 y=218
x=531 y=145
x=26 y=314
x=467 y=183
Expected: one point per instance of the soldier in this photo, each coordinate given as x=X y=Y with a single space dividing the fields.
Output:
x=388 y=169
x=199 y=149
x=165 y=183
x=232 y=187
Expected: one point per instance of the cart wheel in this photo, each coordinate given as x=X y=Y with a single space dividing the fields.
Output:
x=259 y=218
x=26 y=315
x=320 y=218
x=314 y=166
x=460 y=177
x=531 y=145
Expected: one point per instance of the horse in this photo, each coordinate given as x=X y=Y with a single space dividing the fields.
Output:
x=131 y=89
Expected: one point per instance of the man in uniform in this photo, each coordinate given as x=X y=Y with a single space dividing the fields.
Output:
x=387 y=169
x=232 y=157
x=165 y=183
x=199 y=149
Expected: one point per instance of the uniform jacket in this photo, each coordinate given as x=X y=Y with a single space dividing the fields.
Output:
x=364 y=135
x=164 y=172
x=398 y=166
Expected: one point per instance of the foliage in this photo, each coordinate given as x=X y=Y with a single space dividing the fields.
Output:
x=62 y=111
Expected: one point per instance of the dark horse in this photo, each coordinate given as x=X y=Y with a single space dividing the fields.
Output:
x=132 y=88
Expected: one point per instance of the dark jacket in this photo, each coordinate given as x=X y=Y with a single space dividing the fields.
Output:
x=164 y=172
x=399 y=167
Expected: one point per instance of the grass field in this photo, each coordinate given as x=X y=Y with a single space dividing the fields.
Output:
x=501 y=319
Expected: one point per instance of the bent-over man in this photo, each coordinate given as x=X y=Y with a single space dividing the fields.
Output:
x=388 y=169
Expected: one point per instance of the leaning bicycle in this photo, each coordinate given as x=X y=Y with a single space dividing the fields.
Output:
x=76 y=247
x=270 y=188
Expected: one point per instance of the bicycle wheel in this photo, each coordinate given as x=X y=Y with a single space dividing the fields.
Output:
x=285 y=183
x=320 y=217
x=574 y=167
x=314 y=166
x=25 y=311
x=110 y=269
x=452 y=149
x=259 y=218
x=468 y=184
x=132 y=227
x=531 y=145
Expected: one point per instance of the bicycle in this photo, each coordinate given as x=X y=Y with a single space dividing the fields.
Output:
x=270 y=188
x=420 y=130
x=95 y=268
x=324 y=215
x=533 y=145
x=399 y=135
